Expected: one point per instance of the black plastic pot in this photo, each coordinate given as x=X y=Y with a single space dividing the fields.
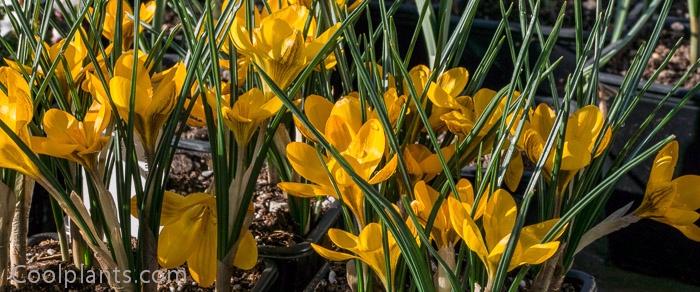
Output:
x=298 y=263
x=577 y=278
x=321 y=275
x=650 y=247
x=586 y=281
x=268 y=278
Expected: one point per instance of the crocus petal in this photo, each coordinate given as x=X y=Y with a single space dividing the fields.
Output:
x=575 y=155
x=514 y=172
x=431 y=164
x=370 y=237
x=301 y=189
x=454 y=80
x=247 y=252
x=465 y=227
x=675 y=216
x=343 y=239
x=386 y=171
x=332 y=255
x=317 y=110
x=202 y=261
x=368 y=146
x=690 y=231
x=307 y=163
x=339 y=133
x=542 y=120
x=120 y=90
x=687 y=192
x=499 y=217
x=535 y=255
x=42 y=145
x=664 y=165
x=440 y=97
x=176 y=241
x=349 y=110
x=585 y=125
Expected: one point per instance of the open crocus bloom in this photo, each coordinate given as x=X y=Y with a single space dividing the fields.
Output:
x=499 y=218
x=155 y=96
x=146 y=13
x=422 y=164
x=189 y=235
x=368 y=247
x=460 y=114
x=16 y=111
x=249 y=112
x=279 y=45
x=363 y=148
x=75 y=54
x=672 y=201
x=69 y=138
x=426 y=197
x=582 y=131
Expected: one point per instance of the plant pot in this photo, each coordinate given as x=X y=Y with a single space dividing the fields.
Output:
x=658 y=249
x=652 y=248
x=615 y=80
x=268 y=278
x=582 y=280
x=298 y=263
x=586 y=281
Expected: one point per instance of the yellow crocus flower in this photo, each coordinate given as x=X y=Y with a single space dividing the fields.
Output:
x=319 y=111
x=155 y=96
x=146 y=13
x=249 y=112
x=582 y=130
x=189 y=235
x=499 y=218
x=460 y=114
x=363 y=149
x=672 y=201
x=69 y=138
x=75 y=54
x=16 y=111
x=443 y=233
x=449 y=84
x=368 y=247
x=422 y=164
x=278 y=44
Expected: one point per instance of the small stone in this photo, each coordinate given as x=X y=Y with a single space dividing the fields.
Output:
x=207 y=173
x=677 y=26
x=277 y=206
x=332 y=277
x=51 y=251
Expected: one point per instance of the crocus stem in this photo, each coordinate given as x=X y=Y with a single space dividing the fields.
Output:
x=543 y=280
x=442 y=281
x=109 y=212
x=18 y=238
x=7 y=201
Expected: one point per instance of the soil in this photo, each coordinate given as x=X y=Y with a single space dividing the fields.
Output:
x=195 y=133
x=272 y=223
x=334 y=281
x=45 y=259
x=673 y=72
x=679 y=8
x=549 y=10
x=190 y=172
